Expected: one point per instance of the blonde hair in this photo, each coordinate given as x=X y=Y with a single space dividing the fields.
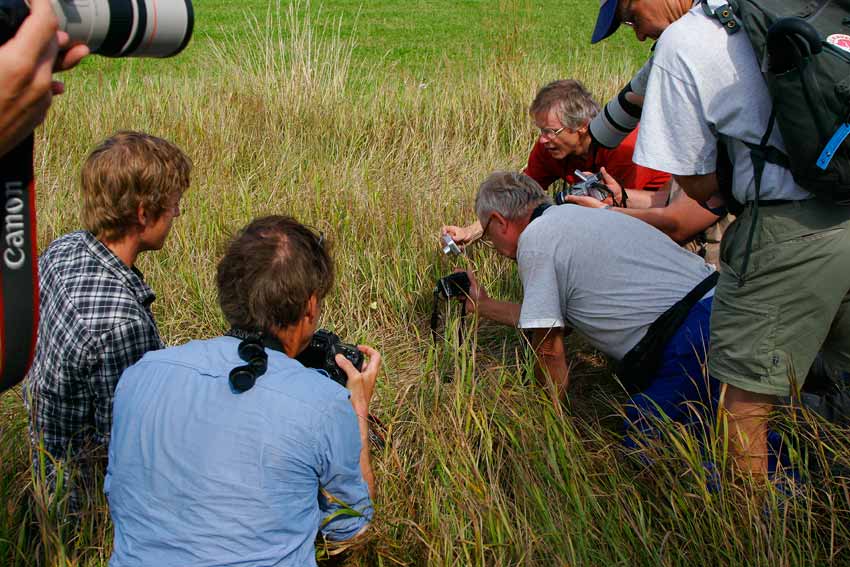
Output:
x=127 y=170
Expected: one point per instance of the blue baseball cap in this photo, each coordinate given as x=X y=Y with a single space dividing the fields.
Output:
x=607 y=21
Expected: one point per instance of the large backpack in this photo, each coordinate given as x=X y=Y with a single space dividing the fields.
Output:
x=804 y=51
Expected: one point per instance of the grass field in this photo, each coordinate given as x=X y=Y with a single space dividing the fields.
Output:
x=414 y=39
x=376 y=122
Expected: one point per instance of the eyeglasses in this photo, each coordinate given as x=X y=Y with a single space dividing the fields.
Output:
x=318 y=235
x=484 y=238
x=550 y=134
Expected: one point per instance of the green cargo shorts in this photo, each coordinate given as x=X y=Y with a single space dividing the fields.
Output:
x=795 y=300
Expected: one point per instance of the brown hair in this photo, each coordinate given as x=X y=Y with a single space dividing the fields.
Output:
x=269 y=271
x=574 y=105
x=127 y=170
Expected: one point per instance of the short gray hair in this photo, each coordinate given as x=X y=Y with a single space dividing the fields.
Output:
x=509 y=193
x=570 y=100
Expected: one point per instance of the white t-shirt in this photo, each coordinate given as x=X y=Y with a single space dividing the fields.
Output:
x=704 y=84
x=606 y=274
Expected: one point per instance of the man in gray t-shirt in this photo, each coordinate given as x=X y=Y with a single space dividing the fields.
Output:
x=609 y=276
x=784 y=289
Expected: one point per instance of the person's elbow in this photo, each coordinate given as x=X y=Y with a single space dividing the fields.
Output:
x=698 y=187
x=550 y=350
x=680 y=234
x=345 y=524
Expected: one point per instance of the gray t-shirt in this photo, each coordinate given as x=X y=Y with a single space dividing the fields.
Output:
x=605 y=274
x=706 y=84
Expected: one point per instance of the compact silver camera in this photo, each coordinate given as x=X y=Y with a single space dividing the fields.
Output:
x=449 y=245
x=589 y=186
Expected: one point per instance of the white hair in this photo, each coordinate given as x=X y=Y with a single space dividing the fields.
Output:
x=509 y=193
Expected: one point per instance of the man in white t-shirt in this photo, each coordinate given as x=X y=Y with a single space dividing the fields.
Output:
x=787 y=295
x=606 y=275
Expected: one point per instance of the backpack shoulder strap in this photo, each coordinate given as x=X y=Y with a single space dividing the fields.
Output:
x=769 y=154
x=725 y=15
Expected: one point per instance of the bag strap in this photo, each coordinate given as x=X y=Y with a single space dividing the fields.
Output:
x=637 y=366
x=691 y=299
x=701 y=289
x=759 y=156
x=538 y=210
x=18 y=265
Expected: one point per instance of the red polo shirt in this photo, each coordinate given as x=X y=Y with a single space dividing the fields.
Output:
x=545 y=169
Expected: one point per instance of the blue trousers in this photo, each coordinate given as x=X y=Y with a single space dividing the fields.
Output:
x=681 y=388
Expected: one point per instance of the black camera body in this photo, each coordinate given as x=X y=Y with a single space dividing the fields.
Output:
x=321 y=352
x=590 y=186
x=453 y=285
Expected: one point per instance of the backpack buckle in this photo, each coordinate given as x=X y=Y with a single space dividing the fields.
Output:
x=726 y=16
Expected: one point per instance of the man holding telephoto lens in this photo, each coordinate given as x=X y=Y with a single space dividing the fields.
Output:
x=27 y=63
x=39 y=37
x=228 y=451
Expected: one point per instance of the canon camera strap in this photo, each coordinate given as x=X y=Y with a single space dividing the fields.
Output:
x=18 y=265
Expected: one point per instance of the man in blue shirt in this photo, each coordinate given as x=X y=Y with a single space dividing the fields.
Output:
x=206 y=471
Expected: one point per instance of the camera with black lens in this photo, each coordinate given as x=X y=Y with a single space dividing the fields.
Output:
x=321 y=354
x=453 y=285
x=114 y=28
x=589 y=186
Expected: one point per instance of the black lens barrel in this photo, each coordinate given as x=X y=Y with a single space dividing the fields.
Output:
x=120 y=26
x=141 y=27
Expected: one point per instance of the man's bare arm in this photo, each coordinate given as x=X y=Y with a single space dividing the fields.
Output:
x=551 y=370
x=463 y=235
x=642 y=199
x=700 y=188
x=504 y=312
x=681 y=220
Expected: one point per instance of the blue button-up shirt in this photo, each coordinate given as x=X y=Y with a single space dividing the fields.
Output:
x=200 y=475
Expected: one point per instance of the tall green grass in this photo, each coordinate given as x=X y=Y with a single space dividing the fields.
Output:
x=479 y=469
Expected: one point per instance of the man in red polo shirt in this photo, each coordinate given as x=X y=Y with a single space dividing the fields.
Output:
x=562 y=111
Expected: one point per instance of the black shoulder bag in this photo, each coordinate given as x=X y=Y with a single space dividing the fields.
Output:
x=640 y=364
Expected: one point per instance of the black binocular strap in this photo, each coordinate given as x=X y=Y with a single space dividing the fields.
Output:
x=18 y=265
x=435 y=318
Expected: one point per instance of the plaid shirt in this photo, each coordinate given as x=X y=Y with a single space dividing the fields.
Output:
x=95 y=321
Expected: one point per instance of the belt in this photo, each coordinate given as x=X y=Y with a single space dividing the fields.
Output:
x=771 y=202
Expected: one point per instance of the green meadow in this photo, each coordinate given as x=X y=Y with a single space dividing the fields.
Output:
x=375 y=122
